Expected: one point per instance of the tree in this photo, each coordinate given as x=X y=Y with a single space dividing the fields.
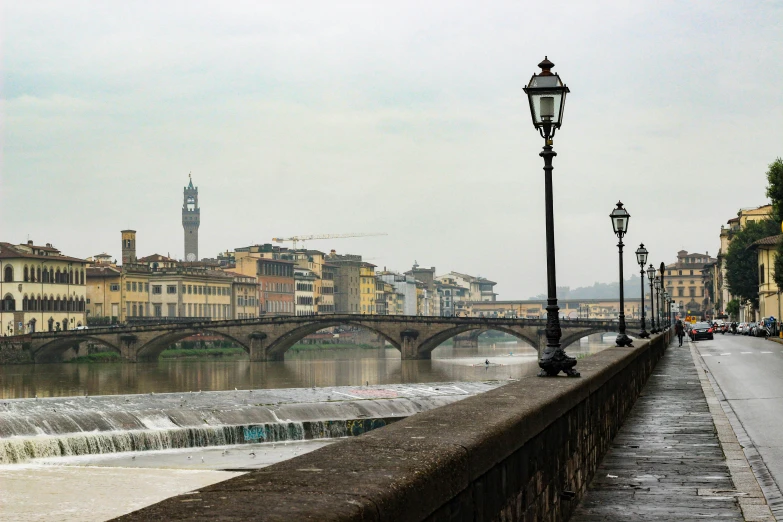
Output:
x=775 y=188
x=742 y=263
x=732 y=308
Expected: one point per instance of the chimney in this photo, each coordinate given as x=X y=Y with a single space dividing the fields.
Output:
x=30 y=242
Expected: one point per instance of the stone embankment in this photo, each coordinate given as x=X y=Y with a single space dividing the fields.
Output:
x=524 y=451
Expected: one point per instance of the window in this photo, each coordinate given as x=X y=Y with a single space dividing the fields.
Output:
x=158 y=308
x=157 y=289
x=171 y=289
x=128 y=286
x=679 y=272
x=761 y=274
x=190 y=289
x=680 y=292
x=172 y=310
x=133 y=286
x=691 y=272
x=114 y=287
x=146 y=287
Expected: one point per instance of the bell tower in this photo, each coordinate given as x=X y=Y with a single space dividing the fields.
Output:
x=191 y=217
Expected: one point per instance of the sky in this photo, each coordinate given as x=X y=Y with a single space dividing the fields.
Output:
x=406 y=118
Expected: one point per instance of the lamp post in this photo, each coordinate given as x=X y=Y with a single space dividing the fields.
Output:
x=641 y=258
x=546 y=94
x=658 y=308
x=661 y=269
x=620 y=218
x=650 y=279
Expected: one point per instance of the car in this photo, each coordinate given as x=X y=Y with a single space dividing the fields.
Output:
x=749 y=329
x=702 y=331
x=81 y=327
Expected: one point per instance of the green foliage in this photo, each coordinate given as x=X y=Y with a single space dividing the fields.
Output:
x=742 y=263
x=775 y=188
x=98 y=357
x=732 y=308
x=330 y=346
x=176 y=353
x=778 y=267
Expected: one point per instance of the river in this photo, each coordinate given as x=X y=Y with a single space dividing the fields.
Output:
x=83 y=432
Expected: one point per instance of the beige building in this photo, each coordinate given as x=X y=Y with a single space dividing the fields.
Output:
x=769 y=293
x=685 y=282
x=735 y=224
x=244 y=291
x=41 y=289
x=569 y=308
x=155 y=286
x=347 y=290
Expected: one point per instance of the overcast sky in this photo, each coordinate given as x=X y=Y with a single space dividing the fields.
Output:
x=399 y=117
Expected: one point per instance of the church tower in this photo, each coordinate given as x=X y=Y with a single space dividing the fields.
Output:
x=191 y=217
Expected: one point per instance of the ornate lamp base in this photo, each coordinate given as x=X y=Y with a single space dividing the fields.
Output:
x=555 y=361
x=624 y=340
x=644 y=334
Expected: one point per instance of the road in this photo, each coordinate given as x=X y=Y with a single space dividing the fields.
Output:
x=749 y=373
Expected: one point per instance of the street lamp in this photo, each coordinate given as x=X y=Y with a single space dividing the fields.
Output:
x=661 y=269
x=659 y=308
x=620 y=218
x=546 y=94
x=650 y=278
x=641 y=258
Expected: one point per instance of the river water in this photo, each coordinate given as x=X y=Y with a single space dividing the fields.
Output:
x=344 y=367
x=154 y=439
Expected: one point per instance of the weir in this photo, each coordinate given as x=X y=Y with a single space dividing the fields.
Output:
x=40 y=428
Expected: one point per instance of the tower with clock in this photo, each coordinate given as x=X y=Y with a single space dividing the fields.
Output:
x=191 y=217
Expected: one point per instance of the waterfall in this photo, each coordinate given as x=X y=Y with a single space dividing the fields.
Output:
x=19 y=449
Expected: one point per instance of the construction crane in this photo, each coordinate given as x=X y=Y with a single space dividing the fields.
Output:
x=295 y=239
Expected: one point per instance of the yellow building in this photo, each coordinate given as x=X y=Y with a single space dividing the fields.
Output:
x=769 y=293
x=41 y=289
x=155 y=287
x=367 y=288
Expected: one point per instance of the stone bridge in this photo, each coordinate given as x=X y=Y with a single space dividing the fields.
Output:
x=268 y=338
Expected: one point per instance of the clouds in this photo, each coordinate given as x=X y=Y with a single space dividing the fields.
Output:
x=313 y=117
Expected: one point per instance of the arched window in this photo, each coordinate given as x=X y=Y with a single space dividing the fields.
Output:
x=9 y=304
x=57 y=304
x=26 y=274
x=51 y=275
x=81 y=305
x=24 y=302
x=38 y=278
x=45 y=276
x=81 y=277
x=57 y=278
x=8 y=275
x=70 y=276
x=70 y=303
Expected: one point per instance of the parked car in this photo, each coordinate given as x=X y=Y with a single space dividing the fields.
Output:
x=702 y=331
x=749 y=329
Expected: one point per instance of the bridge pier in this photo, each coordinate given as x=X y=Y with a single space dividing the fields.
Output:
x=409 y=347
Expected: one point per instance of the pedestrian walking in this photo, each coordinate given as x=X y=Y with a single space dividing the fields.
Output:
x=679 y=330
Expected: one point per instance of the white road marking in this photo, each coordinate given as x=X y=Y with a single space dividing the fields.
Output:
x=706 y=355
x=766 y=352
x=744 y=353
x=726 y=354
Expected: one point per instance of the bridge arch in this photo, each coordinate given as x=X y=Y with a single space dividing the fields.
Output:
x=280 y=345
x=53 y=350
x=528 y=335
x=570 y=338
x=152 y=349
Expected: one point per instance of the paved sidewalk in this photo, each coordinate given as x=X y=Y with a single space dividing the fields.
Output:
x=666 y=462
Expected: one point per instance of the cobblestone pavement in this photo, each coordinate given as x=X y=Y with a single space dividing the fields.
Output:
x=666 y=462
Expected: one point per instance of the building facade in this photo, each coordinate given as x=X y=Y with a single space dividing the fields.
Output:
x=686 y=285
x=769 y=293
x=347 y=291
x=41 y=289
x=304 y=294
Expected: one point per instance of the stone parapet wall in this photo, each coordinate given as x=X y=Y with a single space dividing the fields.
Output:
x=14 y=353
x=522 y=452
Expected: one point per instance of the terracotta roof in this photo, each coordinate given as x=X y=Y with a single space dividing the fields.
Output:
x=767 y=241
x=156 y=257
x=102 y=271
x=9 y=251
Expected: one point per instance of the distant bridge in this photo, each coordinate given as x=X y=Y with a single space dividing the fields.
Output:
x=268 y=338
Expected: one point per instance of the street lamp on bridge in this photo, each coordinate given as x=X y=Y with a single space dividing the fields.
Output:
x=662 y=269
x=620 y=218
x=546 y=94
x=651 y=279
x=641 y=258
x=659 y=308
